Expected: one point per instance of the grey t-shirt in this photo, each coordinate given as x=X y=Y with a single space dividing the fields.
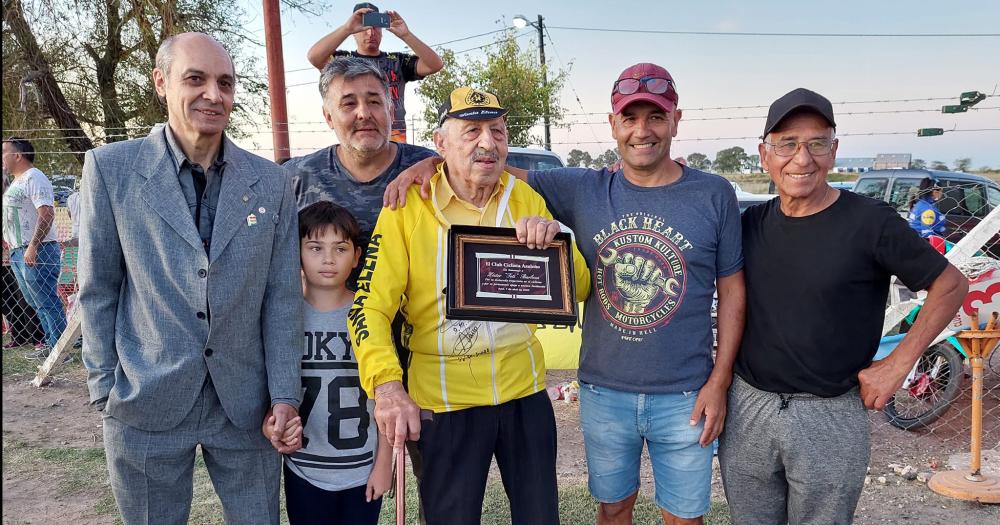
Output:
x=339 y=436
x=319 y=176
x=654 y=254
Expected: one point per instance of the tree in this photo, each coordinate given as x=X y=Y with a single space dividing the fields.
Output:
x=939 y=166
x=513 y=74
x=81 y=68
x=963 y=165
x=578 y=159
x=753 y=163
x=606 y=159
x=918 y=164
x=730 y=160
x=699 y=161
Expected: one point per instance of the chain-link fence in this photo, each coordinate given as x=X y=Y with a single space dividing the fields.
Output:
x=931 y=415
x=39 y=290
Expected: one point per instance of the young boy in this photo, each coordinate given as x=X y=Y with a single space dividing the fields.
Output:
x=344 y=465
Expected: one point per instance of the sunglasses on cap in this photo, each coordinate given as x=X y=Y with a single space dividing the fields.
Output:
x=655 y=85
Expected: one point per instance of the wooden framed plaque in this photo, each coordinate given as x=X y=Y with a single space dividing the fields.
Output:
x=493 y=277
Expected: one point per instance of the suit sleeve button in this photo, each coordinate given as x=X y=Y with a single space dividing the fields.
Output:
x=208 y=352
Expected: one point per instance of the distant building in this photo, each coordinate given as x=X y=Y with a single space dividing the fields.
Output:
x=889 y=161
x=853 y=164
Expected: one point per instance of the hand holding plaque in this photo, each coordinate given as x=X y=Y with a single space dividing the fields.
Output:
x=494 y=277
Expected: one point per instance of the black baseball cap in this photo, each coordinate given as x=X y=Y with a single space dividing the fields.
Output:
x=362 y=5
x=800 y=99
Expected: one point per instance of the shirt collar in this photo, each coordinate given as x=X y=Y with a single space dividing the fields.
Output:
x=180 y=158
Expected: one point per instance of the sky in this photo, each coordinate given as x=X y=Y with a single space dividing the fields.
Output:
x=713 y=71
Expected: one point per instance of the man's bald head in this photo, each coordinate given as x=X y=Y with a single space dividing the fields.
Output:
x=165 y=54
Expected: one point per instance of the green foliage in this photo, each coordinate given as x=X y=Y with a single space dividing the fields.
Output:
x=101 y=55
x=578 y=159
x=730 y=160
x=963 y=165
x=699 y=161
x=606 y=159
x=918 y=164
x=512 y=73
x=939 y=166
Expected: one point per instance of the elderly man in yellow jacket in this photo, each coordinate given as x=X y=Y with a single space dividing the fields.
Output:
x=484 y=381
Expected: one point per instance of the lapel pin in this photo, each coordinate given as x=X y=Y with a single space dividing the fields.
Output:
x=261 y=209
x=251 y=220
x=246 y=198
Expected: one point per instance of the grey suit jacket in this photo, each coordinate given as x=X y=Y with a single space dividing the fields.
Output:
x=159 y=314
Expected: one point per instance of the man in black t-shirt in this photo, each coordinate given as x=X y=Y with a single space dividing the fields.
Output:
x=818 y=262
x=399 y=68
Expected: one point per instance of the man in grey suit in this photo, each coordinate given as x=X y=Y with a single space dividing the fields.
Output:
x=191 y=301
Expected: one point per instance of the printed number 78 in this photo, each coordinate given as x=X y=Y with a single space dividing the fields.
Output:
x=337 y=412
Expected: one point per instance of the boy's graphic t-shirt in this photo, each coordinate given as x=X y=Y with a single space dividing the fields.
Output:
x=339 y=435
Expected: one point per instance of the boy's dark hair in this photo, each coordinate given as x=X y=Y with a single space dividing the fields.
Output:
x=23 y=147
x=313 y=219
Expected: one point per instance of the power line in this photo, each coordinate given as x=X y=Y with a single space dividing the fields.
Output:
x=469 y=37
x=568 y=80
x=757 y=33
x=515 y=37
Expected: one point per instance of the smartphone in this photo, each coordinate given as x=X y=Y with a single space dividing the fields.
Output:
x=375 y=19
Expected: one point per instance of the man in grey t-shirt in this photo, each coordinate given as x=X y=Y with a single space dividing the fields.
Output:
x=355 y=172
x=660 y=238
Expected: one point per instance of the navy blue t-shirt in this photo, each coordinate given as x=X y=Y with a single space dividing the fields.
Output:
x=654 y=254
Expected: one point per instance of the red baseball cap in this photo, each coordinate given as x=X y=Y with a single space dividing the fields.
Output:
x=666 y=100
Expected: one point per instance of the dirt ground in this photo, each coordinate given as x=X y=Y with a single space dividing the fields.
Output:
x=57 y=417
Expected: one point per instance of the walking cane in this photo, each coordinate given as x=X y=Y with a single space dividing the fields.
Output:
x=399 y=469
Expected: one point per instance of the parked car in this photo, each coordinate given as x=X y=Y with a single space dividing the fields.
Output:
x=749 y=199
x=843 y=185
x=533 y=159
x=62 y=187
x=967 y=198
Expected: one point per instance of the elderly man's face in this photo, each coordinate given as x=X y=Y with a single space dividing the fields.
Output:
x=474 y=149
x=358 y=111
x=199 y=87
x=803 y=174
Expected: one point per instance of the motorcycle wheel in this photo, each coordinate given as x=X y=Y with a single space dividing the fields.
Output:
x=935 y=385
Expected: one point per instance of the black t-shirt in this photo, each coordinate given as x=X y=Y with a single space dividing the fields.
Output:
x=816 y=291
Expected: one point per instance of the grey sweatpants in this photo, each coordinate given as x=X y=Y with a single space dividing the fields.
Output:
x=793 y=458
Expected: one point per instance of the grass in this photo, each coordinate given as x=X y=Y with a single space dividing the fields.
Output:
x=82 y=472
x=14 y=362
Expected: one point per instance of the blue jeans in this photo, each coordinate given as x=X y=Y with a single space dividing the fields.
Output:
x=38 y=284
x=615 y=427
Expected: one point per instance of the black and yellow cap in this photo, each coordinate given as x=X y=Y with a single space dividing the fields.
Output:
x=467 y=103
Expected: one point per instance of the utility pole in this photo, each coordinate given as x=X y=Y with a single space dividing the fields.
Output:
x=545 y=79
x=276 y=79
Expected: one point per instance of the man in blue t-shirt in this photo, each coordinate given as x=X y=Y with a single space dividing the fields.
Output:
x=660 y=238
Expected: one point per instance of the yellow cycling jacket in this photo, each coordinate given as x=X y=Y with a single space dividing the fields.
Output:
x=455 y=364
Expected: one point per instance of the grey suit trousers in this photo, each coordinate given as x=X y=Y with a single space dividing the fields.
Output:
x=152 y=472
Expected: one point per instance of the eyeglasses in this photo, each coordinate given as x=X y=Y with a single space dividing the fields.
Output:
x=817 y=147
x=655 y=85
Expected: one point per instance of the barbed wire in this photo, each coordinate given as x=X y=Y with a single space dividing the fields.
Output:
x=760 y=33
x=611 y=141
